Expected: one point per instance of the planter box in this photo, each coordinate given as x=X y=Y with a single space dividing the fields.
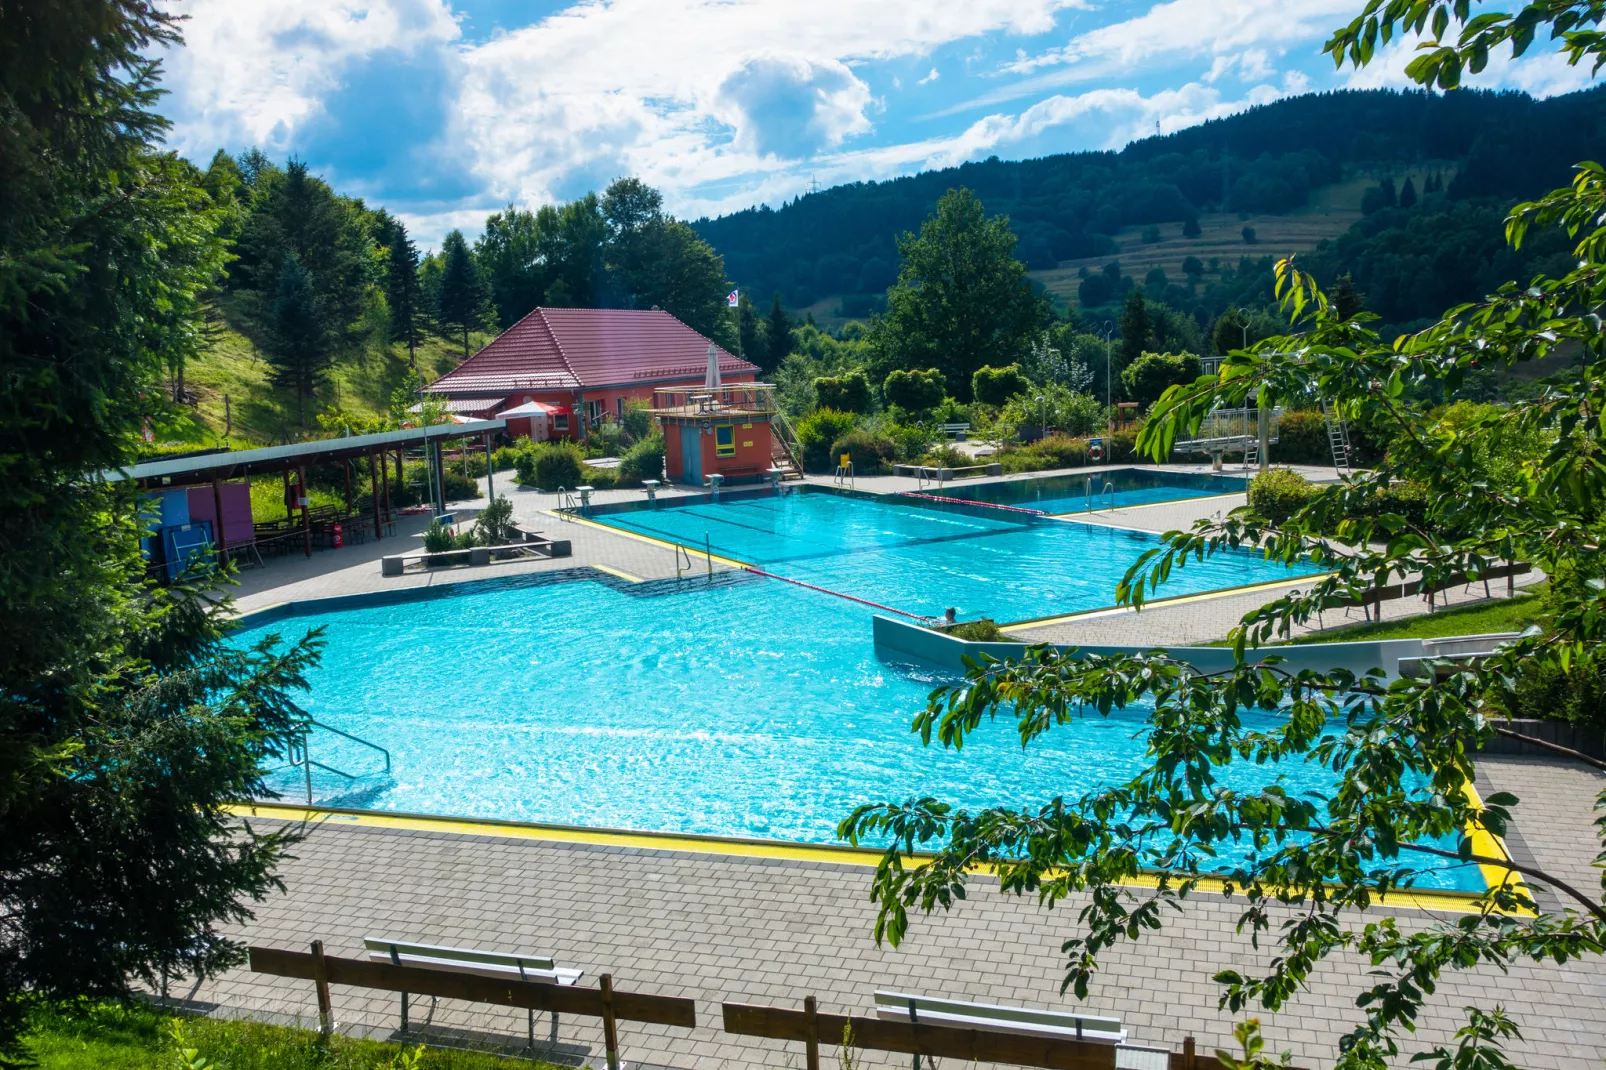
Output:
x=1582 y=738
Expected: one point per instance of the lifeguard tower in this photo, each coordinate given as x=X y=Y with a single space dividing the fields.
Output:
x=719 y=429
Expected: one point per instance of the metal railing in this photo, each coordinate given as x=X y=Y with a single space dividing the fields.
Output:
x=298 y=746
x=1107 y=494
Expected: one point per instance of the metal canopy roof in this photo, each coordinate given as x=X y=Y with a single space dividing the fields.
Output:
x=178 y=471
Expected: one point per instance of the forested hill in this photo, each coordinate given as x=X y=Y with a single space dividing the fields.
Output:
x=1270 y=159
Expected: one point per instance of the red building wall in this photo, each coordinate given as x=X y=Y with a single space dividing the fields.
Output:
x=749 y=462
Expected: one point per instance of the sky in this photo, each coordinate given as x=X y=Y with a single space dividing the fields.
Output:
x=444 y=111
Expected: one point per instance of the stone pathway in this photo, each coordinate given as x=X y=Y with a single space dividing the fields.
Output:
x=721 y=928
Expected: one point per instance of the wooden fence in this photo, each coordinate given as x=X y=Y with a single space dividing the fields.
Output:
x=933 y=1041
x=602 y=1002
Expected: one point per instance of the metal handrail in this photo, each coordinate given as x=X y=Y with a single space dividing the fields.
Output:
x=307 y=761
x=680 y=551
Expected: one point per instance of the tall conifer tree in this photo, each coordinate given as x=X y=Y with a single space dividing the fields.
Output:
x=462 y=299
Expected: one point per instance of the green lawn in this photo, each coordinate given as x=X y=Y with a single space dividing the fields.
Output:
x=1503 y=615
x=257 y=413
x=116 y=1037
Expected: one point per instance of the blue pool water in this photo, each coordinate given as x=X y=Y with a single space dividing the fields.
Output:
x=1068 y=494
x=743 y=706
x=922 y=560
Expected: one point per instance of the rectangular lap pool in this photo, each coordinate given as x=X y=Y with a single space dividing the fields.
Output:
x=1071 y=494
x=737 y=706
x=924 y=557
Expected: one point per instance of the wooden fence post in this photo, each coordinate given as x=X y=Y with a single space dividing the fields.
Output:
x=1188 y=1054
x=610 y=1027
x=812 y=1050
x=320 y=981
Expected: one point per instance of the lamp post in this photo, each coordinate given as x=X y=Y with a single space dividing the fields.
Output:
x=1243 y=323
x=1109 y=372
x=1042 y=417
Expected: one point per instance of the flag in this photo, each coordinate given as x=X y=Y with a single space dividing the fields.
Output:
x=731 y=300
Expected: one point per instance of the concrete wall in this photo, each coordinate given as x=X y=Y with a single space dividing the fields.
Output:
x=898 y=637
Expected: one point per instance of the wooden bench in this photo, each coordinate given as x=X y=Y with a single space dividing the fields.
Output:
x=957 y=432
x=499 y=964
x=1019 y=1021
x=482 y=977
x=902 y=1007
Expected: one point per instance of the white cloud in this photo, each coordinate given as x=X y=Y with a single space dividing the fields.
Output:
x=253 y=73
x=1225 y=29
x=932 y=77
x=1543 y=72
x=655 y=87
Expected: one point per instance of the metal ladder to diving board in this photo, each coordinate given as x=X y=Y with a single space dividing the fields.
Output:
x=1337 y=438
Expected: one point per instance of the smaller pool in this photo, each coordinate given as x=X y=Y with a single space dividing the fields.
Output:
x=1068 y=494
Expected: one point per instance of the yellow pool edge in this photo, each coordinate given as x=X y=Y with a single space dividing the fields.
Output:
x=693 y=551
x=1161 y=603
x=732 y=847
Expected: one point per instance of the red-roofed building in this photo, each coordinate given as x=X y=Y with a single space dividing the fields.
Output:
x=564 y=366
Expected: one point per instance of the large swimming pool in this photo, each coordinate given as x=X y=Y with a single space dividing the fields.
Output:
x=923 y=558
x=734 y=706
x=1118 y=488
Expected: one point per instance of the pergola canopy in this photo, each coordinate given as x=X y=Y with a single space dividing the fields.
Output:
x=232 y=464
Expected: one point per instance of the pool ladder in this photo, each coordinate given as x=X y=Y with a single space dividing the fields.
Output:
x=299 y=756
x=1105 y=495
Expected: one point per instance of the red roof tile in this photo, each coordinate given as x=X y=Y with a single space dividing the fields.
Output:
x=585 y=348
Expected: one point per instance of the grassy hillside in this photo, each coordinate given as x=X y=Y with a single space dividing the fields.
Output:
x=1331 y=211
x=256 y=413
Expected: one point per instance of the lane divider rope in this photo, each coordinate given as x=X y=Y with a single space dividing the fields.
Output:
x=967 y=501
x=838 y=594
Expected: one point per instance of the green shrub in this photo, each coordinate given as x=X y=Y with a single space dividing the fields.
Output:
x=637 y=420
x=952 y=412
x=913 y=390
x=1146 y=378
x=1302 y=439
x=870 y=453
x=551 y=465
x=644 y=460
x=524 y=468
x=1055 y=451
x=438 y=538
x=599 y=478
x=494 y=525
x=460 y=488
x=1122 y=447
x=995 y=386
x=1406 y=499
x=816 y=432
x=944 y=455
x=849 y=392
x=506 y=458
x=1548 y=693
x=1280 y=493
x=911 y=441
x=984 y=630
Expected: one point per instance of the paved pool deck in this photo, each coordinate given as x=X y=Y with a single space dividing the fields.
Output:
x=772 y=930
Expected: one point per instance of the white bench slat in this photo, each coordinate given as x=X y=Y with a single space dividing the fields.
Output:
x=471 y=960
x=997 y=1019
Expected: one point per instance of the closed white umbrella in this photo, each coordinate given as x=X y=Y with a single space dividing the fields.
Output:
x=712 y=382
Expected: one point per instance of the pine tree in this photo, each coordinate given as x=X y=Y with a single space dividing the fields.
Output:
x=1390 y=196
x=401 y=289
x=1408 y=193
x=777 y=334
x=298 y=346
x=1347 y=300
x=1190 y=227
x=462 y=300
x=1136 y=334
x=749 y=343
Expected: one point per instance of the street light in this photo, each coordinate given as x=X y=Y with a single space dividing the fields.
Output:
x=1042 y=417
x=1109 y=364
x=1243 y=322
